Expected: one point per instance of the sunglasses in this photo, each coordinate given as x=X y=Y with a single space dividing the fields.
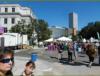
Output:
x=7 y=60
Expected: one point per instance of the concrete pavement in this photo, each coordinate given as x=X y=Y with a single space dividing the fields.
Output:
x=51 y=67
x=54 y=68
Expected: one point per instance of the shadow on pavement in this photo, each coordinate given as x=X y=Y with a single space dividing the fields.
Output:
x=94 y=64
x=77 y=63
x=73 y=63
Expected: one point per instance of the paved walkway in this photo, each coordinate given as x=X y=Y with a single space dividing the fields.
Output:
x=47 y=68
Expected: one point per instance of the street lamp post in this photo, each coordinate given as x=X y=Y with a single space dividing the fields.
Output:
x=21 y=32
x=2 y=43
x=37 y=31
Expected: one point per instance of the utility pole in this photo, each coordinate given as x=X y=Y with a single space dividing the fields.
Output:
x=21 y=34
x=2 y=43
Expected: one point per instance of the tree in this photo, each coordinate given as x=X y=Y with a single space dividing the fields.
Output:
x=42 y=30
x=22 y=28
x=75 y=38
x=40 y=26
x=90 y=30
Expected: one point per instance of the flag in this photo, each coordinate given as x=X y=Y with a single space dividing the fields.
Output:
x=98 y=35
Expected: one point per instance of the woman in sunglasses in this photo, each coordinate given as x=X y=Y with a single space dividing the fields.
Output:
x=6 y=62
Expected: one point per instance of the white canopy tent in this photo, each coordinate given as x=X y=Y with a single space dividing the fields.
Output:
x=91 y=39
x=64 y=39
x=84 y=40
x=50 y=40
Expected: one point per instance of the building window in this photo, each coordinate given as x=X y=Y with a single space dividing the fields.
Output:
x=5 y=29
x=13 y=20
x=5 y=20
x=6 y=9
x=13 y=9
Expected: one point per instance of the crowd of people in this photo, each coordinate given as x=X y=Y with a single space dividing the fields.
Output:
x=73 y=49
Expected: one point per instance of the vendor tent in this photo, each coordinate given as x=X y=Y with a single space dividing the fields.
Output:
x=84 y=40
x=50 y=40
x=64 y=39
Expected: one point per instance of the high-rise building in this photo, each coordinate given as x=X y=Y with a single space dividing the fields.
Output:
x=11 y=14
x=73 y=23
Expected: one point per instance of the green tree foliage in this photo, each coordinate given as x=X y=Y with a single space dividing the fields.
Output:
x=90 y=30
x=75 y=38
x=40 y=26
x=21 y=28
x=42 y=30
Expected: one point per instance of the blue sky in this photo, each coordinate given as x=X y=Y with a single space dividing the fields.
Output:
x=56 y=13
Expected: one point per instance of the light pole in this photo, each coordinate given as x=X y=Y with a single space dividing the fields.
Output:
x=22 y=31
x=2 y=43
x=37 y=31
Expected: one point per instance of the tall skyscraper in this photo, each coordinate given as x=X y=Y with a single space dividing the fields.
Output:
x=73 y=23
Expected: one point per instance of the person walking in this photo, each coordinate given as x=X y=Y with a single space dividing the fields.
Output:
x=91 y=52
x=75 y=48
x=59 y=51
x=6 y=62
x=70 y=52
x=99 y=52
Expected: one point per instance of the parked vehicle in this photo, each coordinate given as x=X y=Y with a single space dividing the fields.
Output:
x=13 y=40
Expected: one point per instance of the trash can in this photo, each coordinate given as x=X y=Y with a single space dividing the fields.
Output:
x=34 y=57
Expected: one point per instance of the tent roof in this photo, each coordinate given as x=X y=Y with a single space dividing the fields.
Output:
x=49 y=40
x=64 y=39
